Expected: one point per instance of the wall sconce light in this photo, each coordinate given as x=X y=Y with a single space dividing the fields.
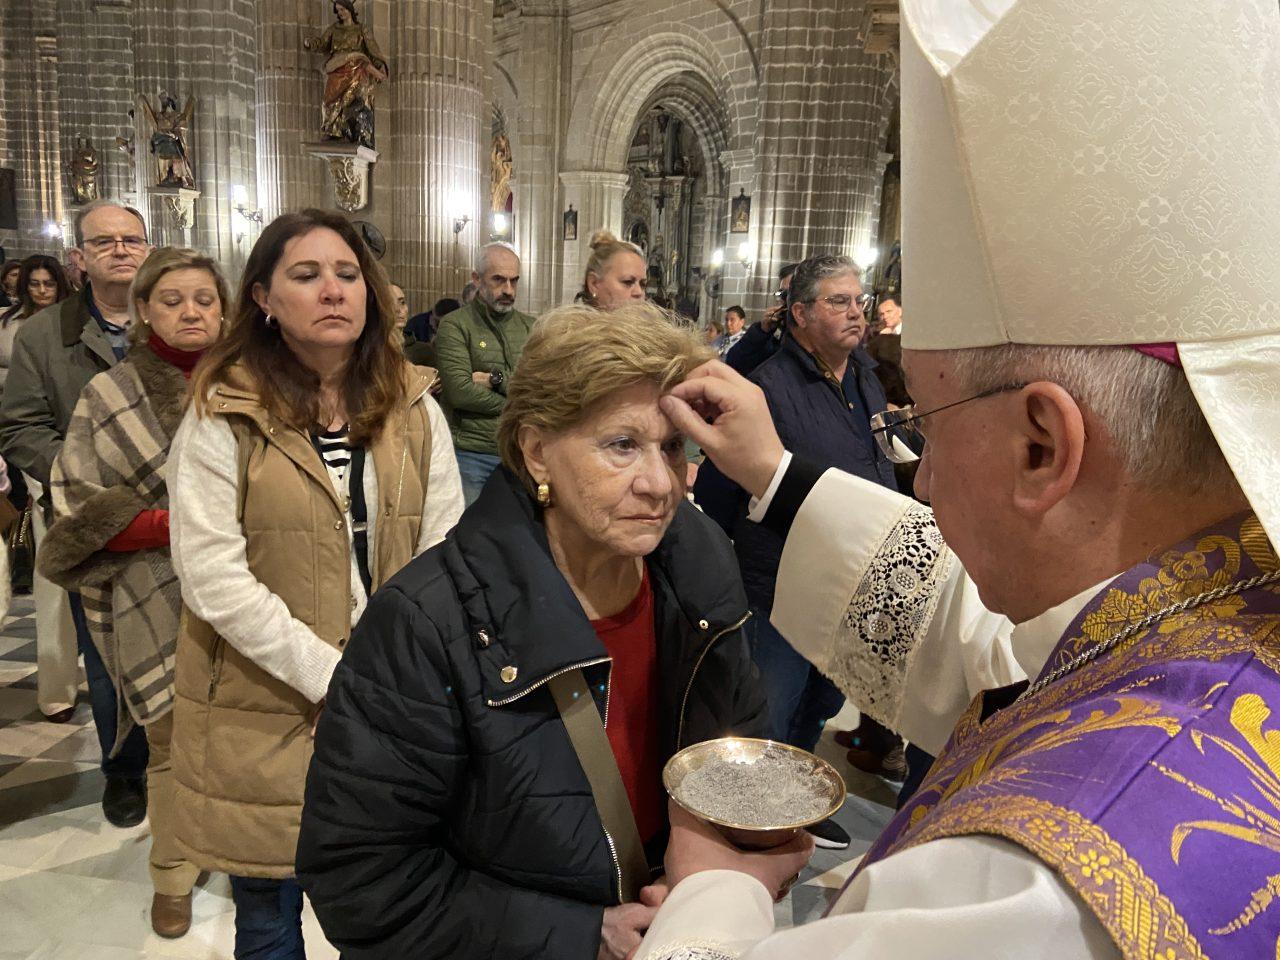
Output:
x=717 y=258
x=52 y=230
x=745 y=253
x=240 y=202
x=501 y=224
x=460 y=224
x=866 y=257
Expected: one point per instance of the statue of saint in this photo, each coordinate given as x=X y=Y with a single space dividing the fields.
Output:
x=84 y=172
x=500 y=188
x=353 y=70
x=126 y=144
x=169 y=141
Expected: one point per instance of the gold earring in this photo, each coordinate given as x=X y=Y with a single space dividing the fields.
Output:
x=544 y=494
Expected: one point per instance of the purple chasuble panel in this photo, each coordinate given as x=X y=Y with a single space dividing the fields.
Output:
x=1149 y=779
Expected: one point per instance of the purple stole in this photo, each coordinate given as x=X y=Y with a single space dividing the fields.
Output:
x=1148 y=780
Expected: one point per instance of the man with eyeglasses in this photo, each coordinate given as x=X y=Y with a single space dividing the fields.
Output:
x=761 y=340
x=821 y=390
x=55 y=354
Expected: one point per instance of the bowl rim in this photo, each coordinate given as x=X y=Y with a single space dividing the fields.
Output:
x=796 y=825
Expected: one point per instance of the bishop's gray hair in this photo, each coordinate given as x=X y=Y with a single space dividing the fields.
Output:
x=1157 y=428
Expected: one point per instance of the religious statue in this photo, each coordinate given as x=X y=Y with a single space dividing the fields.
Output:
x=353 y=70
x=83 y=168
x=500 y=188
x=169 y=141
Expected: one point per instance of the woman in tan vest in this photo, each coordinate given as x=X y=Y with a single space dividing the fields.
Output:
x=299 y=483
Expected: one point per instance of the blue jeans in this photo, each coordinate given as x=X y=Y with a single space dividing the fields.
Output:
x=268 y=919
x=801 y=700
x=131 y=761
x=475 y=469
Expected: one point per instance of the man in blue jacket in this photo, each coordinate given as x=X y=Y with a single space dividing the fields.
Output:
x=761 y=340
x=822 y=391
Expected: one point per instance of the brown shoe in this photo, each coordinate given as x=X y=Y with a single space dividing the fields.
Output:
x=170 y=916
x=62 y=716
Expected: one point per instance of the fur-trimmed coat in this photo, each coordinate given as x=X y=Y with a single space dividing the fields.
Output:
x=110 y=468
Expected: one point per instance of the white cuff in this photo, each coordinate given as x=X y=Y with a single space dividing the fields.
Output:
x=716 y=913
x=759 y=506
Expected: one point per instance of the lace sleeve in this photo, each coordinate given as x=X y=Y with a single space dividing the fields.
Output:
x=694 y=950
x=886 y=620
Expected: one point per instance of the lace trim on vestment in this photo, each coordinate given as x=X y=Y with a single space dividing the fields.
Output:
x=696 y=950
x=889 y=614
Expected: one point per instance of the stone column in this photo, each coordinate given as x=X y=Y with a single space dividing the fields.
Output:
x=538 y=213
x=31 y=129
x=438 y=170
x=597 y=195
x=735 y=279
x=186 y=48
x=822 y=108
x=96 y=94
x=287 y=93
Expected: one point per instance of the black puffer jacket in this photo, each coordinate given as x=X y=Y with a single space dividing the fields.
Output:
x=446 y=812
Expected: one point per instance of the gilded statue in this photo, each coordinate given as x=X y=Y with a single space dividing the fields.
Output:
x=500 y=188
x=169 y=141
x=354 y=69
x=84 y=168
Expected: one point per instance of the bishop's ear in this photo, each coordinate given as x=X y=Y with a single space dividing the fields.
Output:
x=1050 y=437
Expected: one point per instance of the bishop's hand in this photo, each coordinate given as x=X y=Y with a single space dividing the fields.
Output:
x=728 y=417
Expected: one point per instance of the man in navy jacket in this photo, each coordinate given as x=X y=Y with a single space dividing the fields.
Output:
x=822 y=391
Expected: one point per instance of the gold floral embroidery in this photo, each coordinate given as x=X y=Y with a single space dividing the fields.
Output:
x=1142 y=921
x=1254 y=823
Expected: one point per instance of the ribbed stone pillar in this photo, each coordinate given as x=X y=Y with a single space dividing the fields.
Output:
x=30 y=138
x=597 y=195
x=822 y=107
x=288 y=90
x=538 y=217
x=195 y=48
x=438 y=170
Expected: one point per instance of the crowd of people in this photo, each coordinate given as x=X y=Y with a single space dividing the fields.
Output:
x=220 y=482
x=424 y=660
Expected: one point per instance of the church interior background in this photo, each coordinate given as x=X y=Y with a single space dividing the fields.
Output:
x=726 y=137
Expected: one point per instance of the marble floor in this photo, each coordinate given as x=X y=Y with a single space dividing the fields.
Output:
x=74 y=887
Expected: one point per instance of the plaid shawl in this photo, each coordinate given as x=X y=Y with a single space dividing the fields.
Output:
x=111 y=467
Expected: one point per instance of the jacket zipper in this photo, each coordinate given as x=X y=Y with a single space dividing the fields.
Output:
x=692 y=676
x=617 y=865
x=547 y=679
x=215 y=665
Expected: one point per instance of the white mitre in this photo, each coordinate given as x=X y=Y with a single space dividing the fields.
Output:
x=1093 y=172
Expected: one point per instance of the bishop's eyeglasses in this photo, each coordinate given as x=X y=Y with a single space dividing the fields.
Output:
x=899 y=433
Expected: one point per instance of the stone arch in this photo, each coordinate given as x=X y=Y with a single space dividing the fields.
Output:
x=602 y=133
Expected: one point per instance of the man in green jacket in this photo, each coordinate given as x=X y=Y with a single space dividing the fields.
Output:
x=477 y=348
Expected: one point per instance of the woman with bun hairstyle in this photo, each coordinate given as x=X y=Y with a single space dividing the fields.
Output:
x=616 y=272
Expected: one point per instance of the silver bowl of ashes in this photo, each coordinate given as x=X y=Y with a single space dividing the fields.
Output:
x=758 y=793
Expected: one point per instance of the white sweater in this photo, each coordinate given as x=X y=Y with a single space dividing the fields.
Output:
x=210 y=558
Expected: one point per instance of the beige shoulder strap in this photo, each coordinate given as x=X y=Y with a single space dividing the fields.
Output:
x=582 y=720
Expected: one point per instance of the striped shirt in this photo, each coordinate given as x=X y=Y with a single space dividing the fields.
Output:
x=335 y=448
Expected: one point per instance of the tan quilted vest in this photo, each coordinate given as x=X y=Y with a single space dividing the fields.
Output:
x=242 y=739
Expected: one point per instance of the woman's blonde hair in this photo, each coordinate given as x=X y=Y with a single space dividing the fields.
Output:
x=162 y=261
x=578 y=356
x=604 y=247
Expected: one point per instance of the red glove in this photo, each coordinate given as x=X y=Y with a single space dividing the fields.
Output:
x=150 y=528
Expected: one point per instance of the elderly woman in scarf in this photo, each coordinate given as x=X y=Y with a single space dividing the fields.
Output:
x=110 y=537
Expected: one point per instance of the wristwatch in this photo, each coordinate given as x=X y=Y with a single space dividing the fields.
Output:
x=498 y=381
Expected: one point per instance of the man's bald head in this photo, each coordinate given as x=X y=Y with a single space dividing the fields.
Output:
x=497 y=277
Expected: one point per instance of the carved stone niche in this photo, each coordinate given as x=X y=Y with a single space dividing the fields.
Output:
x=180 y=203
x=349 y=165
x=879 y=31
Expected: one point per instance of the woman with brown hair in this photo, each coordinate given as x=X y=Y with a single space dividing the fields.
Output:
x=616 y=273
x=110 y=538
x=312 y=466
x=42 y=282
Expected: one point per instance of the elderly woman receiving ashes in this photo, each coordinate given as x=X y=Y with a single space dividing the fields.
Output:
x=464 y=801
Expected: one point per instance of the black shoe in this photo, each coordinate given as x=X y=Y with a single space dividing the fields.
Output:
x=829 y=835
x=124 y=801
